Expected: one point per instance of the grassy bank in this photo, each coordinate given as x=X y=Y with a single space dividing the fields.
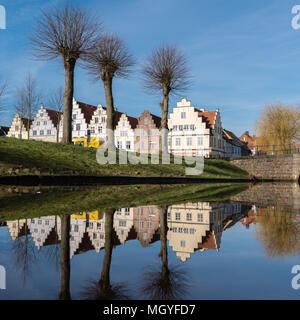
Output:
x=28 y=202
x=34 y=157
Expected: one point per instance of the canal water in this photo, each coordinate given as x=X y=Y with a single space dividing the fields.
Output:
x=243 y=246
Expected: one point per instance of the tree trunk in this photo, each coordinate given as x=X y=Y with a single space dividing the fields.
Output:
x=57 y=128
x=110 y=136
x=65 y=258
x=104 y=282
x=163 y=241
x=68 y=100
x=164 y=120
x=28 y=121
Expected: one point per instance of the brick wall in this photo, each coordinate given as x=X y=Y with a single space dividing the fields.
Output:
x=282 y=167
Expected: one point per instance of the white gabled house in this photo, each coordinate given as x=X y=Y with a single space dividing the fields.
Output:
x=44 y=125
x=195 y=132
x=125 y=132
x=97 y=125
x=18 y=128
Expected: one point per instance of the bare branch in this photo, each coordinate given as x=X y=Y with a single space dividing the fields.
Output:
x=110 y=58
x=3 y=88
x=166 y=68
x=67 y=31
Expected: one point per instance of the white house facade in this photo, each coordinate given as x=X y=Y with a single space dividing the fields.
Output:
x=18 y=128
x=44 y=125
x=125 y=133
x=195 y=132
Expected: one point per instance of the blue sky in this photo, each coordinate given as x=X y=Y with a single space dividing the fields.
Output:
x=242 y=54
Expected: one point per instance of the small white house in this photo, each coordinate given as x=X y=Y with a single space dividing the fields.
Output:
x=44 y=125
x=18 y=128
x=125 y=133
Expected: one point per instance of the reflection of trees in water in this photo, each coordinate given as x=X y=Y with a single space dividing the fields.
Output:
x=278 y=231
x=65 y=268
x=103 y=289
x=24 y=252
x=165 y=282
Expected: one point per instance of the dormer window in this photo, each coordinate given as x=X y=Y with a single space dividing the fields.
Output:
x=183 y=115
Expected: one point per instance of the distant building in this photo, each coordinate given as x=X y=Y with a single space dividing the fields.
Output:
x=44 y=125
x=125 y=133
x=195 y=132
x=250 y=141
x=123 y=222
x=233 y=144
x=18 y=128
x=147 y=133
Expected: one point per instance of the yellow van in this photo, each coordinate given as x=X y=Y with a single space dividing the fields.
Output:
x=83 y=142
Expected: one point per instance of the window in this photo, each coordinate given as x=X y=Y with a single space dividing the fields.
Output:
x=180 y=128
x=119 y=144
x=77 y=126
x=177 y=216
x=150 y=212
x=74 y=116
x=151 y=145
x=38 y=123
x=168 y=215
x=96 y=120
x=183 y=115
x=123 y=133
x=182 y=244
x=186 y=127
x=140 y=211
x=149 y=132
x=189 y=217
x=99 y=129
x=45 y=123
x=123 y=123
x=49 y=132
x=192 y=127
x=146 y=121
x=200 y=217
x=127 y=211
x=17 y=128
x=175 y=128
x=178 y=141
x=122 y=223
x=149 y=224
x=34 y=132
x=103 y=119
x=76 y=228
x=189 y=141
x=141 y=224
x=200 y=141
x=127 y=144
x=92 y=129
x=41 y=132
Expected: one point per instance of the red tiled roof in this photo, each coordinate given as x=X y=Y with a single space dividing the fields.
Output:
x=25 y=122
x=209 y=117
x=87 y=110
x=133 y=121
x=156 y=119
x=53 y=114
x=209 y=242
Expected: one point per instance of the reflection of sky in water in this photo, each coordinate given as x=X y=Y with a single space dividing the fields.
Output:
x=239 y=270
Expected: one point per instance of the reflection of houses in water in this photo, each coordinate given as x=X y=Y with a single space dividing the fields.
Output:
x=195 y=226
x=192 y=226
x=146 y=224
x=123 y=222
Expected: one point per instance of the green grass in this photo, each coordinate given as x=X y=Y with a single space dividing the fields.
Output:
x=25 y=202
x=16 y=153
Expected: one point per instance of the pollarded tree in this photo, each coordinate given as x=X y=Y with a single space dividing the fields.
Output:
x=110 y=59
x=68 y=32
x=166 y=71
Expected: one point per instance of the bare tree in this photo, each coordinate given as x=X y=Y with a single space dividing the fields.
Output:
x=108 y=60
x=27 y=100
x=166 y=71
x=68 y=32
x=56 y=102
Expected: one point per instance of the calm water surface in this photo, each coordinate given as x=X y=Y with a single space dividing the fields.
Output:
x=244 y=248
